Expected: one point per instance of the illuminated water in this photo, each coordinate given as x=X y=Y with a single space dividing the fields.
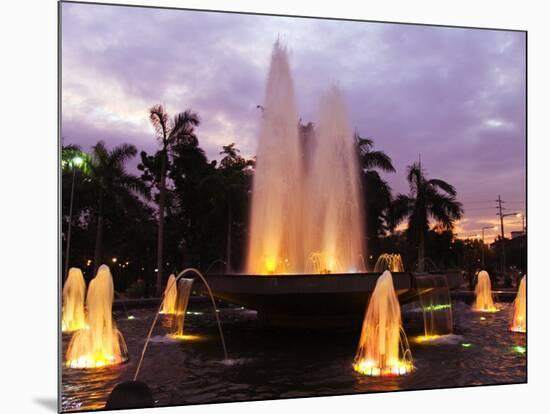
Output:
x=389 y=261
x=184 y=290
x=74 y=291
x=383 y=347
x=101 y=343
x=300 y=211
x=276 y=364
x=435 y=301
x=519 y=319
x=483 y=294
x=170 y=296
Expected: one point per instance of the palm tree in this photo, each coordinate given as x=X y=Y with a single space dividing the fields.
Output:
x=377 y=192
x=113 y=184
x=428 y=199
x=169 y=132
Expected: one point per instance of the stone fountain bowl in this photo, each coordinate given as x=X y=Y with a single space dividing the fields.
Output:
x=311 y=300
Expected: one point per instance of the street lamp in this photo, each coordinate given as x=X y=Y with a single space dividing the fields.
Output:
x=483 y=243
x=74 y=163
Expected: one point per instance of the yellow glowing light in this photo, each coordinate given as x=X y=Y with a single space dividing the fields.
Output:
x=186 y=337
x=114 y=259
x=270 y=265
x=482 y=318
x=95 y=361
x=394 y=368
x=425 y=338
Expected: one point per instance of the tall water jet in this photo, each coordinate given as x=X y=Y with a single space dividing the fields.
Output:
x=170 y=296
x=389 y=261
x=274 y=241
x=333 y=198
x=183 y=293
x=101 y=343
x=519 y=320
x=73 y=317
x=483 y=294
x=383 y=346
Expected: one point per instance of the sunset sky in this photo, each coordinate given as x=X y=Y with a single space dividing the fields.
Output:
x=455 y=97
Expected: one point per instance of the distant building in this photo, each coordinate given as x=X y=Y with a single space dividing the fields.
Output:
x=516 y=234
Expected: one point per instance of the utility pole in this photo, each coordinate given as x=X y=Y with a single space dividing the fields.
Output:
x=503 y=248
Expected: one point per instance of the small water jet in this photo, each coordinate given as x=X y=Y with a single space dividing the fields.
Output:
x=148 y=339
x=435 y=302
x=389 y=261
x=101 y=343
x=519 y=320
x=73 y=316
x=183 y=293
x=383 y=346
x=170 y=296
x=483 y=294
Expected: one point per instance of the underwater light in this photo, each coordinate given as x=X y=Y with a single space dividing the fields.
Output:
x=395 y=368
x=185 y=337
x=432 y=308
x=131 y=317
x=466 y=345
x=519 y=349
x=425 y=338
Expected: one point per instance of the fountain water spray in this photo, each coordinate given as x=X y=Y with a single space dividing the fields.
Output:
x=383 y=346
x=519 y=321
x=274 y=242
x=483 y=294
x=435 y=301
x=73 y=317
x=101 y=343
x=389 y=261
x=183 y=293
x=170 y=296
x=302 y=212
x=222 y=339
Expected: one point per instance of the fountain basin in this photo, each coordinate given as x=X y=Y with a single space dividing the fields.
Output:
x=311 y=300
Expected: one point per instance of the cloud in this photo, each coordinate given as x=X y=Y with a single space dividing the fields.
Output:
x=455 y=97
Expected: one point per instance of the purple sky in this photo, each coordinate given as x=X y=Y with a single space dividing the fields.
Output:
x=455 y=96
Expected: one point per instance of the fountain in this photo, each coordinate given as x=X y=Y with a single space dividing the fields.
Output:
x=483 y=295
x=170 y=296
x=101 y=343
x=306 y=228
x=435 y=301
x=274 y=243
x=389 y=261
x=296 y=211
x=519 y=320
x=73 y=317
x=383 y=346
x=183 y=293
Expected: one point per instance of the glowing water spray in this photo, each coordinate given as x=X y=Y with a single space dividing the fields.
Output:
x=73 y=317
x=101 y=343
x=170 y=296
x=383 y=346
x=222 y=339
x=304 y=215
x=389 y=261
x=519 y=321
x=183 y=293
x=483 y=294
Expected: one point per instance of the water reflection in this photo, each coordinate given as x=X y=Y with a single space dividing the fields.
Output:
x=271 y=364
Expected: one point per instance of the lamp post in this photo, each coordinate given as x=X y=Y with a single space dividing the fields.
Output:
x=75 y=162
x=483 y=243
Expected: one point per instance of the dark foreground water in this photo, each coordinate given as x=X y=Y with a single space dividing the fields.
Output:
x=269 y=364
